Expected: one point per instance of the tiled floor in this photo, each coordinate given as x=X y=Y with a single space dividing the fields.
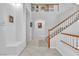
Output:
x=39 y=48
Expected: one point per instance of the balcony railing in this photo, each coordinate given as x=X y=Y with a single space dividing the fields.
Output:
x=44 y=7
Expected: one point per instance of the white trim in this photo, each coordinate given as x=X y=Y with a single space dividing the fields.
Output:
x=60 y=51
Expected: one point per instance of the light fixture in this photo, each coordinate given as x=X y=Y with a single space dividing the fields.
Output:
x=16 y=4
x=13 y=4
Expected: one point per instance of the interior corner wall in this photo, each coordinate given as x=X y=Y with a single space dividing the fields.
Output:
x=28 y=21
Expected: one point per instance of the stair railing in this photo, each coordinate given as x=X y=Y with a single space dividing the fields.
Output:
x=62 y=26
x=71 y=40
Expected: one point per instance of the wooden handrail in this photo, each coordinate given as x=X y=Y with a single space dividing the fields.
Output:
x=73 y=35
x=63 y=21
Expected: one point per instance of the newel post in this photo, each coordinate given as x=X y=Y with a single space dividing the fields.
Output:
x=48 y=39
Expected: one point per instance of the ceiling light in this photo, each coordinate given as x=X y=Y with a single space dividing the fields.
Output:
x=16 y=4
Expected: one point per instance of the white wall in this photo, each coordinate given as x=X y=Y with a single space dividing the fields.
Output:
x=51 y=18
x=2 y=29
x=13 y=32
x=2 y=41
x=48 y=17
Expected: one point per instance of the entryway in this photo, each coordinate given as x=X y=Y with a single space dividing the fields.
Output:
x=39 y=48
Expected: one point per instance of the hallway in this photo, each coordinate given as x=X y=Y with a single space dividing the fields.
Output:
x=29 y=29
x=39 y=48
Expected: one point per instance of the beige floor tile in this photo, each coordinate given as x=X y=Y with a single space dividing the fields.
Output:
x=39 y=48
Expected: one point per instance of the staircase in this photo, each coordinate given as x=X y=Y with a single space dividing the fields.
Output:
x=62 y=26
